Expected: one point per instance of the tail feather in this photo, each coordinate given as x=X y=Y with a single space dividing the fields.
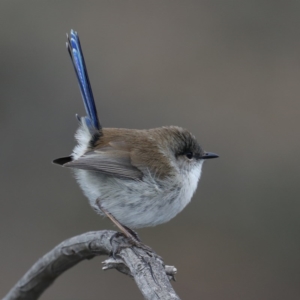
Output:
x=76 y=54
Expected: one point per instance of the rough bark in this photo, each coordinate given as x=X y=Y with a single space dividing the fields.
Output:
x=146 y=268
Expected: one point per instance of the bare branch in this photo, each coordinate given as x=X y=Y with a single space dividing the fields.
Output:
x=146 y=268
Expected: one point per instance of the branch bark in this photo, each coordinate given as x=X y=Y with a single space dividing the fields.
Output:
x=147 y=269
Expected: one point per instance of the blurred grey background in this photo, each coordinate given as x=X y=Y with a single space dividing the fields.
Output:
x=227 y=70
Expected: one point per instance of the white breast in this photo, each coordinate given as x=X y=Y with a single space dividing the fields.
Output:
x=140 y=203
x=190 y=183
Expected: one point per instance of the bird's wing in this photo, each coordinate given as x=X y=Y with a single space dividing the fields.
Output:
x=108 y=160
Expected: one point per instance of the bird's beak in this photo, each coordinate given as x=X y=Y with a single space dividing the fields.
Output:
x=208 y=155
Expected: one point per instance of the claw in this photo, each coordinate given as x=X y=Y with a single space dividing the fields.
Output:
x=118 y=242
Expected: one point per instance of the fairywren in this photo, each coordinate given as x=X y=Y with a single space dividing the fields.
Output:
x=137 y=178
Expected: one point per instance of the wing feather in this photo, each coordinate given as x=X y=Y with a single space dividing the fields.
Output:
x=108 y=161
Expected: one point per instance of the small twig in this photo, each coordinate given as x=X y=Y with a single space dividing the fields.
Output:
x=147 y=269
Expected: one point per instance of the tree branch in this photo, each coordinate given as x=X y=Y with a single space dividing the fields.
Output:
x=147 y=269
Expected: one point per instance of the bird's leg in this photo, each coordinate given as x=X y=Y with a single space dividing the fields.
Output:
x=123 y=228
x=130 y=234
x=133 y=233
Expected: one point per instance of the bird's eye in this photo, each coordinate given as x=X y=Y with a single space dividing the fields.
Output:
x=189 y=155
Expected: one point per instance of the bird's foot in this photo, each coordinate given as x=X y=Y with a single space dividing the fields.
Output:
x=121 y=241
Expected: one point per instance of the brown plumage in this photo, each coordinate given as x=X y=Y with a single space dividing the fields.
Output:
x=131 y=153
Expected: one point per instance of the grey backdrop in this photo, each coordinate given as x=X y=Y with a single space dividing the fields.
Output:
x=227 y=70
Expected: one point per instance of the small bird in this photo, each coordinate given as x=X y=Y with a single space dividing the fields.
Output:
x=137 y=178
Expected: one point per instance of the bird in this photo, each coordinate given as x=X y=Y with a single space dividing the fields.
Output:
x=136 y=178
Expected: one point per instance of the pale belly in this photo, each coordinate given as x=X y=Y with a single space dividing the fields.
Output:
x=138 y=203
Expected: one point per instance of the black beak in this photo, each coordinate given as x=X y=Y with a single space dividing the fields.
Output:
x=209 y=155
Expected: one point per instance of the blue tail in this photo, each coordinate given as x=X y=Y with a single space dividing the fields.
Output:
x=76 y=54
